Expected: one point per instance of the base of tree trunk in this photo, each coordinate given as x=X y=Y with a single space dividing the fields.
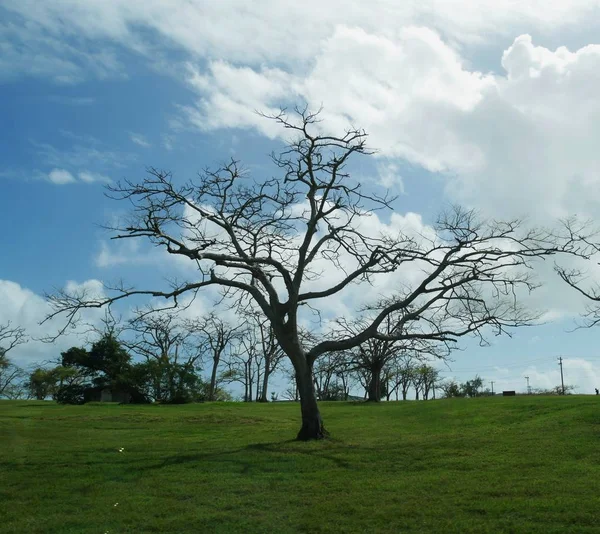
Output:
x=312 y=430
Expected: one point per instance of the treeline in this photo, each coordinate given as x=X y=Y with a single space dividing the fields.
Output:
x=167 y=359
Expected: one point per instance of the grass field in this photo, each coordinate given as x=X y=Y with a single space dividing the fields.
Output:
x=524 y=464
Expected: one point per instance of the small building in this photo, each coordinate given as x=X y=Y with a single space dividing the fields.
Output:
x=509 y=393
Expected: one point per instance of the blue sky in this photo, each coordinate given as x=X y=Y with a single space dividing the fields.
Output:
x=464 y=104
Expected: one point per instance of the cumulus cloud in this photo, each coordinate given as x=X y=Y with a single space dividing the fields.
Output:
x=60 y=177
x=505 y=142
x=27 y=309
x=281 y=31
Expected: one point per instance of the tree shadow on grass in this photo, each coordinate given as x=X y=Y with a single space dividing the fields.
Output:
x=237 y=456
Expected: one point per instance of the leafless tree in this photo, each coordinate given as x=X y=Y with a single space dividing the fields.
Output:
x=165 y=340
x=11 y=337
x=377 y=355
x=267 y=352
x=269 y=240
x=254 y=357
x=11 y=376
x=214 y=339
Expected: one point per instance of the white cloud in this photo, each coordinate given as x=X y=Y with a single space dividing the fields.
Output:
x=60 y=177
x=63 y=176
x=390 y=177
x=504 y=142
x=85 y=153
x=283 y=31
x=91 y=177
x=126 y=252
x=139 y=139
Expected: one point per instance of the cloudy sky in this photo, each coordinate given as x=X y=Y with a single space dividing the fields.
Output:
x=490 y=104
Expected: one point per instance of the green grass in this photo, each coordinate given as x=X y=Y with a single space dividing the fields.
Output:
x=524 y=464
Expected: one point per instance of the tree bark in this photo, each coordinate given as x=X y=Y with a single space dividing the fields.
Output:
x=213 y=379
x=265 y=384
x=375 y=385
x=312 y=424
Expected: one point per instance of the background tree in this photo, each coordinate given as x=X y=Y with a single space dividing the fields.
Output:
x=472 y=388
x=214 y=339
x=106 y=365
x=428 y=378
x=269 y=240
x=269 y=354
x=170 y=372
x=254 y=356
x=451 y=388
x=375 y=357
x=12 y=377
x=42 y=383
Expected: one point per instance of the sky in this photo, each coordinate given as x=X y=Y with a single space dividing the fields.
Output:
x=487 y=104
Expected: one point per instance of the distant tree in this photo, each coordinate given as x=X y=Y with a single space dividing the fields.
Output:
x=451 y=388
x=556 y=390
x=11 y=375
x=405 y=367
x=43 y=383
x=428 y=377
x=471 y=388
x=269 y=355
x=171 y=370
x=106 y=365
x=214 y=339
x=376 y=358
x=270 y=239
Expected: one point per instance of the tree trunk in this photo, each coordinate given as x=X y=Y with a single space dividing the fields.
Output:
x=312 y=424
x=265 y=384
x=213 y=379
x=375 y=385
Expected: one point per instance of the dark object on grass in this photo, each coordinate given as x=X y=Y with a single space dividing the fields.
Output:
x=508 y=393
x=597 y=392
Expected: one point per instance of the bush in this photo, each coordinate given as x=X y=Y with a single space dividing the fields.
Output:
x=72 y=394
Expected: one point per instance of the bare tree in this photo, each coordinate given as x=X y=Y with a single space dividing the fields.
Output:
x=11 y=337
x=268 y=353
x=428 y=378
x=400 y=374
x=12 y=377
x=165 y=341
x=214 y=339
x=269 y=240
x=376 y=355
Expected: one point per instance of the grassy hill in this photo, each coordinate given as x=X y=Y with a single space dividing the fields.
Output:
x=524 y=464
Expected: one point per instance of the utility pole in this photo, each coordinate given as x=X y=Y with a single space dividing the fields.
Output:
x=492 y=387
x=528 y=389
x=562 y=381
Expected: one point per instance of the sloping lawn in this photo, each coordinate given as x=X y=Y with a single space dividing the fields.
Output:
x=522 y=464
